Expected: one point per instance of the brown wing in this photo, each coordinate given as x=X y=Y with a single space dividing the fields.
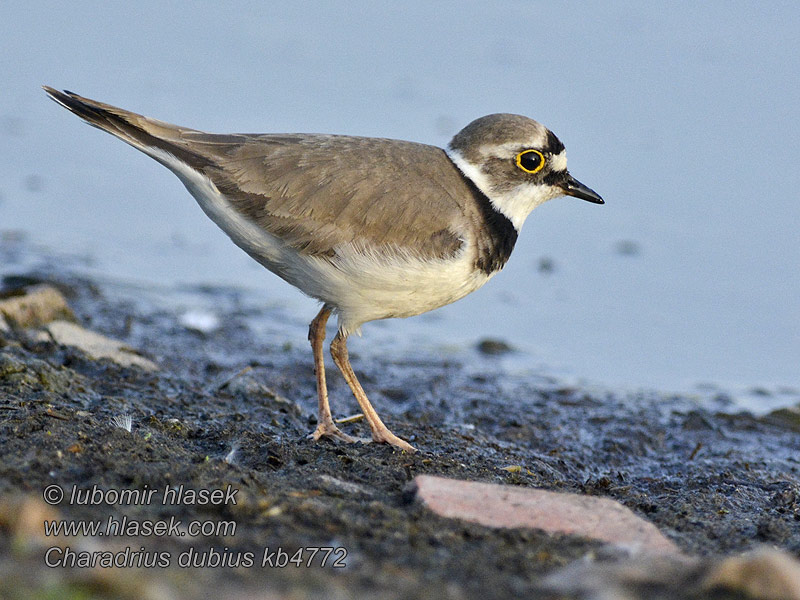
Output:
x=320 y=191
x=316 y=192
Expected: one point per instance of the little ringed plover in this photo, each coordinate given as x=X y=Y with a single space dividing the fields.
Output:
x=372 y=228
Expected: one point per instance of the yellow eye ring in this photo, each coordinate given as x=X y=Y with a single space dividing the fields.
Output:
x=527 y=161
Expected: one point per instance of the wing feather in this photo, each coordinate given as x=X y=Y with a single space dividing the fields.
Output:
x=316 y=192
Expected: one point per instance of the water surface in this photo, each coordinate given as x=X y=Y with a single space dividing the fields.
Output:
x=682 y=117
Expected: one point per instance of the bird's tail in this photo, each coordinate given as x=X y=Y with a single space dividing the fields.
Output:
x=151 y=136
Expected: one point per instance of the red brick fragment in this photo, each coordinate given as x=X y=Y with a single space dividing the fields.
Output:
x=504 y=506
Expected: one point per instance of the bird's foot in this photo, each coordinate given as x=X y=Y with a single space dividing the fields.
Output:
x=384 y=436
x=330 y=430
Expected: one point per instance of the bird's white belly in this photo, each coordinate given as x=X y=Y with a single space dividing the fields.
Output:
x=368 y=285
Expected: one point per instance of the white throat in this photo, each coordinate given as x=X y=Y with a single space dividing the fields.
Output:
x=516 y=204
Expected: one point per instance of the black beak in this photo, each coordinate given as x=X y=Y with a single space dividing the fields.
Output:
x=573 y=187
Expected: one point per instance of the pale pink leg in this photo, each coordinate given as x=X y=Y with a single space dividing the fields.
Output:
x=380 y=433
x=325 y=424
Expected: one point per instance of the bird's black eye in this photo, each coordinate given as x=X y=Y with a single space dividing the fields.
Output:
x=530 y=161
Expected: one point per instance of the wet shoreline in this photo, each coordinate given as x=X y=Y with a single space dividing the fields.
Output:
x=231 y=406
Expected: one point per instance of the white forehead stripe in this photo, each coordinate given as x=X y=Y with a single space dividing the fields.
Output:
x=558 y=162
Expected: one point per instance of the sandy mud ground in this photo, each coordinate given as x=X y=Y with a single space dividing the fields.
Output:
x=230 y=410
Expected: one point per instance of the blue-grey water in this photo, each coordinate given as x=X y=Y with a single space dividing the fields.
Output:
x=684 y=117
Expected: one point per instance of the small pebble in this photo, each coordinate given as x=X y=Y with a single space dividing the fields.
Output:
x=494 y=347
x=199 y=320
x=546 y=265
x=628 y=248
